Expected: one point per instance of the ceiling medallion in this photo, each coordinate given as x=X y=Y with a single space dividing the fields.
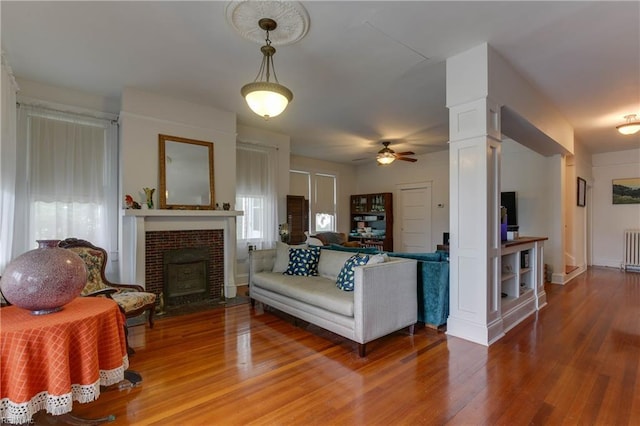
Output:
x=292 y=18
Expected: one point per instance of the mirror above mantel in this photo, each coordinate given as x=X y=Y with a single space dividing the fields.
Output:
x=186 y=173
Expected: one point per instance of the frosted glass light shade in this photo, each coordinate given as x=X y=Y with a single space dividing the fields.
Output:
x=385 y=158
x=266 y=99
x=632 y=126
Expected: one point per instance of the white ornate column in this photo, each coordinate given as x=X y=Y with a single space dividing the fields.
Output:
x=474 y=186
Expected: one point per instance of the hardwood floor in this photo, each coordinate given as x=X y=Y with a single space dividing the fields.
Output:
x=576 y=362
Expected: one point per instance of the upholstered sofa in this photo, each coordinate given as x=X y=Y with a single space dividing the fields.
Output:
x=383 y=299
x=433 y=286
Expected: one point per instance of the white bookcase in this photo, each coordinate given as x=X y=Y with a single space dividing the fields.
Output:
x=521 y=280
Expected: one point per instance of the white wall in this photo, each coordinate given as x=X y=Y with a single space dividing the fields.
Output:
x=346 y=184
x=63 y=97
x=433 y=168
x=609 y=220
x=579 y=165
x=527 y=173
x=145 y=115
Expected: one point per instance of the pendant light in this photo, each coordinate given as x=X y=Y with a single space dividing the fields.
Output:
x=266 y=98
x=632 y=126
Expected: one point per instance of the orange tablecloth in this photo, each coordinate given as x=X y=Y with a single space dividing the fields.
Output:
x=49 y=361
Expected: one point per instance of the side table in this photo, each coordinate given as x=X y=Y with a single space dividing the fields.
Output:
x=49 y=361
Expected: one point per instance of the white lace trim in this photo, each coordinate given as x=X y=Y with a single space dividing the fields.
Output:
x=111 y=377
x=11 y=412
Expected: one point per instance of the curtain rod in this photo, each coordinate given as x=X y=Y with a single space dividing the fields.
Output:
x=80 y=114
x=258 y=144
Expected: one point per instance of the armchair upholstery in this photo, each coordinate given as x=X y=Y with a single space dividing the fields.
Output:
x=131 y=298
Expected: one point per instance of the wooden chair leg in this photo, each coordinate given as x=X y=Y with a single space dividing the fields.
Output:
x=152 y=311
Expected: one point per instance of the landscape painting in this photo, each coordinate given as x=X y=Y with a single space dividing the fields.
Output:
x=626 y=191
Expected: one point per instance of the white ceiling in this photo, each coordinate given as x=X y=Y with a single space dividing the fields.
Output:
x=365 y=72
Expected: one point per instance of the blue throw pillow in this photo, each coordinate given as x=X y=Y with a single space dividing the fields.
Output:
x=346 y=276
x=303 y=261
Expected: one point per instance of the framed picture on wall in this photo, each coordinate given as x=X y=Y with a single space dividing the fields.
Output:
x=582 y=192
x=626 y=191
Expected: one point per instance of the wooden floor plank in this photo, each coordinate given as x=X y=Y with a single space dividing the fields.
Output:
x=575 y=362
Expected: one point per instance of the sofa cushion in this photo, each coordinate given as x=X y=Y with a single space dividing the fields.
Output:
x=303 y=261
x=331 y=262
x=347 y=274
x=316 y=291
x=282 y=256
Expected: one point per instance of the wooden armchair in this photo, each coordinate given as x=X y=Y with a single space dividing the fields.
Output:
x=131 y=298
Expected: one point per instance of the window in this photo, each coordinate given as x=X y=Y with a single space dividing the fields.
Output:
x=325 y=222
x=325 y=202
x=71 y=189
x=256 y=195
x=320 y=188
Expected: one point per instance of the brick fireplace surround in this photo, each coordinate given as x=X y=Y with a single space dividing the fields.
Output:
x=178 y=229
x=158 y=242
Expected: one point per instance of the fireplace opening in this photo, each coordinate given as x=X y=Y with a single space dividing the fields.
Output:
x=186 y=275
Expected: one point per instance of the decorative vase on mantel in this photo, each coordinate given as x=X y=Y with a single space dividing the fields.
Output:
x=45 y=279
x=148 y=192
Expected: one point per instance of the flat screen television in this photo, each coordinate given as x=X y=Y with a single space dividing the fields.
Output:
x=510 y=201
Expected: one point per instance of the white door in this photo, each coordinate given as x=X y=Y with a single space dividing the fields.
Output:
x=415 y=218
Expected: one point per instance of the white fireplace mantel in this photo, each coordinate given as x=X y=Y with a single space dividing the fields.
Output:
x=135 y=224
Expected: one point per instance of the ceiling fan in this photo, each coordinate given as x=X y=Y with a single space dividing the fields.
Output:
x=387 y=156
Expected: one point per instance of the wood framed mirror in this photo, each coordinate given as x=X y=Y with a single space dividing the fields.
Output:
x=186 y=173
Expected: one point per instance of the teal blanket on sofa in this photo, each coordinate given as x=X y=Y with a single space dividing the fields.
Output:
x=433 y=286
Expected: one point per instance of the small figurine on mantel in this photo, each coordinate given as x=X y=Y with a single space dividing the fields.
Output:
x=130 y=203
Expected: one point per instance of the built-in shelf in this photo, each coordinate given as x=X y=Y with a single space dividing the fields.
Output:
x=522 y=279
x=374 y=211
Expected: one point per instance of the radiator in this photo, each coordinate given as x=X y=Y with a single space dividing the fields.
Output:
x=631 y=250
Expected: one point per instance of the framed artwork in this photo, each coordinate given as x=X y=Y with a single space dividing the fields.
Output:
x=626 y=191
x=582 y=192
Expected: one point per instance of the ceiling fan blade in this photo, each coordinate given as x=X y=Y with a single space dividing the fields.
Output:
x=412 y=160
x=406 y=153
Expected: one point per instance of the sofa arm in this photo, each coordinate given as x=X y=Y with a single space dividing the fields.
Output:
x=433 y=293
x=384 y=298
x=261 y=261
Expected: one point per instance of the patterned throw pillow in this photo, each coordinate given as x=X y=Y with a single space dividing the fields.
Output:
x=346 y=276
x=303 y=261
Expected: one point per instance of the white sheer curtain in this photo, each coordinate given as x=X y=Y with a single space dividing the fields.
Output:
x=256 y=195
x=7 y=164
x=70 y=178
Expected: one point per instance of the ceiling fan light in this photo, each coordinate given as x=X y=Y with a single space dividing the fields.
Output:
x=631 y=127
x=385 y=158
x=266 y=99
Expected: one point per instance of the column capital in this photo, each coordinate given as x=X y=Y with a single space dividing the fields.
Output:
x=480 y=117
